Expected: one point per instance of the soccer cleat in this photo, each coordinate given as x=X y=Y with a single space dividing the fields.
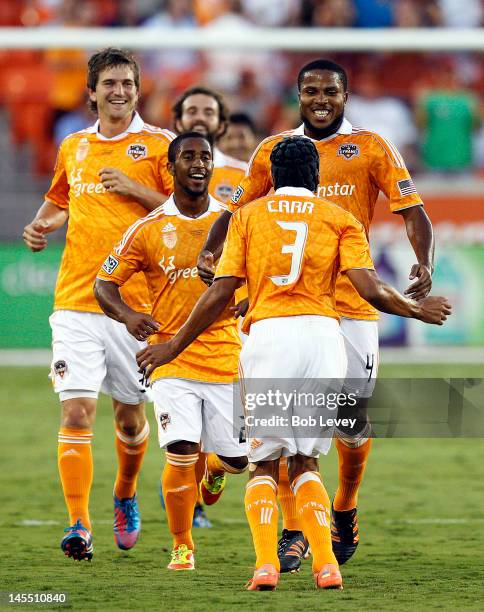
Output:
x=211 y=487
x=78 y=542
x=344 y=533
x=292 y=548
x=200 y=519
x=328 y=577
x=181 y=559
x=127 y=522
x=265 y=579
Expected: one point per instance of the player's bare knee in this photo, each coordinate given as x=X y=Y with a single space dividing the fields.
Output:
x=182 y=447
x=299 y=464
x=78 y=413
x=130 y=418
x=265 y=468
x=235 y=464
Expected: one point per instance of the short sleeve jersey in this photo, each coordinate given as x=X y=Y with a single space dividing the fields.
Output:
x=289 y=247
x=98 y=218
x=227 y=174
x=355 y=165
x=164 y=246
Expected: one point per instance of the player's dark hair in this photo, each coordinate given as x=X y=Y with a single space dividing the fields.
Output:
x=322 y=64
x=177 y=108
x=243 y=119
x=295 y=163
x=179 y=140
x=109 y=58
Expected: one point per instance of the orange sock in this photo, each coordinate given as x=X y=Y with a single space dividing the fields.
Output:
x=200 y=467
x=352 y=463
x=180 y=493
x=314 y=510
x=287 y=500
x=74 y=459
x=131 y=451
x=262 y=513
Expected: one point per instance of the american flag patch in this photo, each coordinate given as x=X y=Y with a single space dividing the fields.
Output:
x=406 y=187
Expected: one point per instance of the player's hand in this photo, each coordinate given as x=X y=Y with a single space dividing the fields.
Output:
x=206 y=267
x=116 y=181
x=434 y=309
x=34 y=234
x=141 y=325
x=153 y=357
x=240 y=309
x=421 y=287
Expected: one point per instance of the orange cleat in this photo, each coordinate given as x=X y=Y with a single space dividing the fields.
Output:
x=265 y=579
x=328 y=577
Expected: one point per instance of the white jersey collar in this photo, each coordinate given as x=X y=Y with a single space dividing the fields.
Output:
x=345 y=128
x=171 y=209
x=294 y=191
x=134 y=127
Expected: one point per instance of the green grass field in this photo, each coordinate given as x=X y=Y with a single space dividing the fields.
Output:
x=421 y=523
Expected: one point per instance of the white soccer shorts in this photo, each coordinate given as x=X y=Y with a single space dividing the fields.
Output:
x=93 y=353
x=199 y=412
x=361 y=343
x=308 y=353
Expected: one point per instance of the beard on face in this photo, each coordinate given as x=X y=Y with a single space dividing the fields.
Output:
x=194 y=194
x=320 y=133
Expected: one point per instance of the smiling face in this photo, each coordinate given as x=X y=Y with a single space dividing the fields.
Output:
x=116 y=94
x=200 y=113
x=192 y=168
x=321 y=101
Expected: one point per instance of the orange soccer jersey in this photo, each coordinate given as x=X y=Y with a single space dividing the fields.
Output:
x=355 y=165
x=98 y=218
x=289 y=247
x=227 y=174
x=165 y=246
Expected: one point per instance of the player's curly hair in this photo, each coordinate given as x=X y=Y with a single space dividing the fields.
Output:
x=109 y=58
x=295 y=163
x=323 y=64
x=179 y=140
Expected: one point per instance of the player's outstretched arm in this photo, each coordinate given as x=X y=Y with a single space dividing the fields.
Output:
x=212 y=248
x=421 y=236
x=205 y=312
x=117 y=182
x=387 y=299
x=48 y=219
x=139 y=324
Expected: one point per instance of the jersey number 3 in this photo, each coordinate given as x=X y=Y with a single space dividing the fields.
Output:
x=296 y=249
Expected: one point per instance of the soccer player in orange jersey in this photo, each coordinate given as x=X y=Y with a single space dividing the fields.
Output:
x=194 y=394
x=90 y=351
x=289 y=247
x=356 y=165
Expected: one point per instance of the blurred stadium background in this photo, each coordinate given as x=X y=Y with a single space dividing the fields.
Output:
x=416 y=76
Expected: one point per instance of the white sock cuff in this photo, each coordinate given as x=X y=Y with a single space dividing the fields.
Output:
x=73 y=438
x=181 y=460
x=262 y=480
x=134 y=440
x=306 y=477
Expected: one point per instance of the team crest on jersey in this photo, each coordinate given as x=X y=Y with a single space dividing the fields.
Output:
x=137 y=151
x=60 y=368
x=349 y=150
x=165 y=420
x=168 y=234
x=223 y=191
x=82 y=150
x=110 y=264
x=237 y=194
